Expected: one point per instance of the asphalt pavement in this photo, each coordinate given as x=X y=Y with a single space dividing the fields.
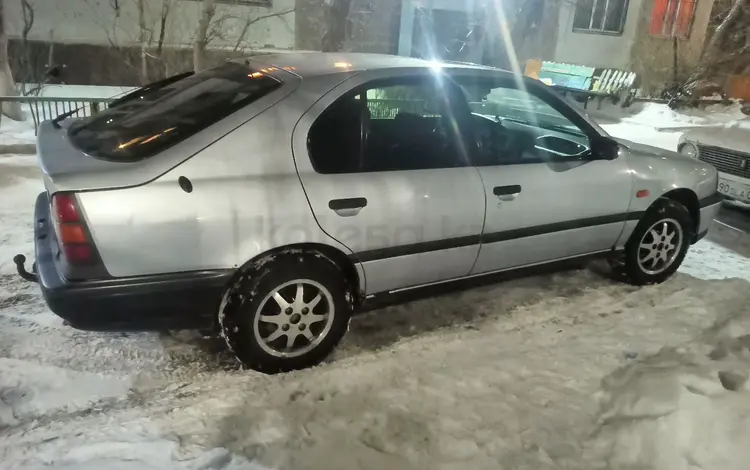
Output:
x=731 y=228
x=735 y=215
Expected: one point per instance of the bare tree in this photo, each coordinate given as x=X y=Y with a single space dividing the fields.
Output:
x=251 y=20
x=336 y=16
x=34 y=65
x=712 y=48
x=215 y=27
x=7 y=85
x=26 y=66
x=144 y=38
x=208 y=10
x=727 y=50
x=148 y=61
x=166 y=6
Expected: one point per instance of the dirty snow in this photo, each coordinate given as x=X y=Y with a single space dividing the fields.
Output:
x=562 y=370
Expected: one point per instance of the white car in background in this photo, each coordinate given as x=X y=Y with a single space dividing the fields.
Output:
x=726 y=149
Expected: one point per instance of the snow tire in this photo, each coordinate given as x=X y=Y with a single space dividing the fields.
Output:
x=243 y=302
x=661 y=210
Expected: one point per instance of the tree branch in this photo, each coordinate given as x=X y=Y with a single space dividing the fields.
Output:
x=251 y=21
x=337 y=15
x=712 y=55
x=165 y=7
x=27 y=74
x=201 y=37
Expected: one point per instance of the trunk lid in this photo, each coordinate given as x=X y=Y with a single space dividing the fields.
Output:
x=67 y=168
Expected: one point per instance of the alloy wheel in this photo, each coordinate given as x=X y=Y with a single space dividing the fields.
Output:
x=294 y=318
x=660 y=246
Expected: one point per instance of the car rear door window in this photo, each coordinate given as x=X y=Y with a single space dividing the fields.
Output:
x=393 y=125
x=161 y=116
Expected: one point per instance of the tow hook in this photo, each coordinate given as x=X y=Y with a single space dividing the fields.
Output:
x=20 y=261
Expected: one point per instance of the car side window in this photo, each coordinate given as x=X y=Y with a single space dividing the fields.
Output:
x=513 y=126
x=391 y=125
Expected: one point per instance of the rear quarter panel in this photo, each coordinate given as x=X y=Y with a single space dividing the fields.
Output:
x=246 y=199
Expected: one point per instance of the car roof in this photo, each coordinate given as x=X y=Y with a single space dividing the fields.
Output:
x=308 y=64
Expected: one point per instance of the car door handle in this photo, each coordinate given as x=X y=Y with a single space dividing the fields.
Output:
x=347 y=207
x=506 y=193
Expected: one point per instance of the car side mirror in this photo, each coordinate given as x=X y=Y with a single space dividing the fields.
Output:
x=604 y=148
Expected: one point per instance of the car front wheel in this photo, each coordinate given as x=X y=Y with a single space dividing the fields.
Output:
x=288 y=314
x=658 y=244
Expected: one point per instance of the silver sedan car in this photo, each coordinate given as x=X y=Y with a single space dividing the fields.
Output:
x=270 y=197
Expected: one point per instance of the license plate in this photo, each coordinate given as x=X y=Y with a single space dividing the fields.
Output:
x=734 y=190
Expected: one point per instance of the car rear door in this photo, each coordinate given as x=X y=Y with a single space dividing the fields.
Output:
x=386 y=175
x=545 y=200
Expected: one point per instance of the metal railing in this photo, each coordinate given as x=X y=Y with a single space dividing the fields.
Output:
x=44 y=108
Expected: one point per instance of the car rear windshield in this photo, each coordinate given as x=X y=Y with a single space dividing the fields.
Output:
x=161 y=115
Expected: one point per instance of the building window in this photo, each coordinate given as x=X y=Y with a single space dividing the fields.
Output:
x=672 y=18
x=600 y=16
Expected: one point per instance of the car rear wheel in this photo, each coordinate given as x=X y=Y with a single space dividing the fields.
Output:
x=658 y=244
x=287 y=314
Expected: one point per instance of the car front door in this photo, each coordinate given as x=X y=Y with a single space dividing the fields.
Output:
x=549 y=196
x=386 y=174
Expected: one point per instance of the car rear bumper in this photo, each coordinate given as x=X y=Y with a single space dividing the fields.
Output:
x=154 y=302
x=709 y=208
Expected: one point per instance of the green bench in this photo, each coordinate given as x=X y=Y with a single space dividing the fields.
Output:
x=585 y=83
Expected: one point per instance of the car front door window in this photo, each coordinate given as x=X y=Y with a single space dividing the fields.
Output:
x=513 y=126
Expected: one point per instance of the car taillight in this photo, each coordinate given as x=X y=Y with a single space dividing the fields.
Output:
x=70 y=231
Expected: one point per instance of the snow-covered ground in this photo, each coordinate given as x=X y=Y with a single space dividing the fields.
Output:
x=657 y=125
x=13 y=133
x=660 y=117
x=565 y=370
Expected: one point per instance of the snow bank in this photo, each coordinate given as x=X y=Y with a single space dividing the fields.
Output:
x=82 y=91
x=659 y=116
x=17 y=132
x=143 y=454
x=683 y=408
x=642 y=134
x=657 y=125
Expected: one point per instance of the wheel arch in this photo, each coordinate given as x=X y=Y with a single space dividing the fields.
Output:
x=336 y=256
x=687 y=198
